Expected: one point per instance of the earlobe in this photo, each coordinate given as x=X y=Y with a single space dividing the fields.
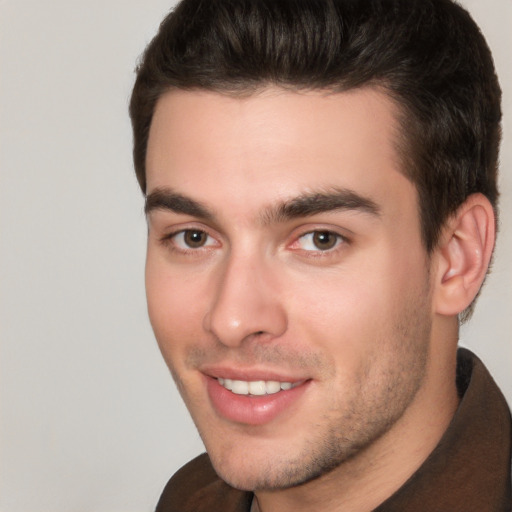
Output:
x=464 y=252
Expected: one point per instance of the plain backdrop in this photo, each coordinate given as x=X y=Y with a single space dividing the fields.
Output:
x=90 y=420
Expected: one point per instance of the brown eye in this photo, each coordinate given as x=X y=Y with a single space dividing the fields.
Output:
x=325 y=240
x=194 y=239
x=319 y=241
x=188 y=241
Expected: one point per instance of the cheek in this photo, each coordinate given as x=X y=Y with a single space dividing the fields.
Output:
x=175 y=307
x=342 y=302
x=350 y=314
x=338 y=318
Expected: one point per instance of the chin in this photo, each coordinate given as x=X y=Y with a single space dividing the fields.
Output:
x=269 y=468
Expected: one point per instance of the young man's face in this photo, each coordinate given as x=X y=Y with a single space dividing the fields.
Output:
x=285 y=261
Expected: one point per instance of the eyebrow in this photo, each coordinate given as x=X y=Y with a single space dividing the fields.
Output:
x=303 y=205
x=312 y=203
x=167 y=199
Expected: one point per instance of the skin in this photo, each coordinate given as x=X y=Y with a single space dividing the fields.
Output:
x=354 y=319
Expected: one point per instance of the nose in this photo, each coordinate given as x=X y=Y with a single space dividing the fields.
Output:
x=246 y=303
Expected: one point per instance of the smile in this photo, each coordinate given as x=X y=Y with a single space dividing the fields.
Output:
x=256 y=387
x=254 y=402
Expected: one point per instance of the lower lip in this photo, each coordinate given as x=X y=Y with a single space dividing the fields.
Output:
x=252 y=410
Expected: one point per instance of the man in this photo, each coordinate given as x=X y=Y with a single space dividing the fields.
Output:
x=320 y=181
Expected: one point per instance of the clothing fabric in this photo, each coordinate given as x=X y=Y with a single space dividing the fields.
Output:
x=468 y=471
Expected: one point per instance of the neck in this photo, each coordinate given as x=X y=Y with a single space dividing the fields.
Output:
x=365 y=481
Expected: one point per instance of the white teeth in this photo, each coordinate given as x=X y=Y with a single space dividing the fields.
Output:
x=273 y=386
x=240 y=387
x=256 y=388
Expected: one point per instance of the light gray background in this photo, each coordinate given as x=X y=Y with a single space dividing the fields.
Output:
x=90 y=420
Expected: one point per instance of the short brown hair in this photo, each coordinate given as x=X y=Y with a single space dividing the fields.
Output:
x=428 y=55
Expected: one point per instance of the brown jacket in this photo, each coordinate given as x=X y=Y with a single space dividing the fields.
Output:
x=468 y=471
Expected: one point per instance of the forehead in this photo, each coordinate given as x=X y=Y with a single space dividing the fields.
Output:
x=274 y=144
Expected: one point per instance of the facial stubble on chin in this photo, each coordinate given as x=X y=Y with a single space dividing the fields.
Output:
x=380 y=397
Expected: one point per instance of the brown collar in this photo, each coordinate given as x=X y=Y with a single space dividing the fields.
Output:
x=469 y=470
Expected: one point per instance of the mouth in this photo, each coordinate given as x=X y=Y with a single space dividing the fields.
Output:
x=256 y=387
x=257 y=399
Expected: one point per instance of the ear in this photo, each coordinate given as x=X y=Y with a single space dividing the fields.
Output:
x=464 y=255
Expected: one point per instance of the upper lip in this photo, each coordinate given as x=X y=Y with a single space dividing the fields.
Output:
x=250 y=374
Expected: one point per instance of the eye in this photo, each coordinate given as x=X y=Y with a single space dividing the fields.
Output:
x=319 y=241
x=192 y=239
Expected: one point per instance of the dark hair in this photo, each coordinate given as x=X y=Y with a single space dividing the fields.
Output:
x=428 y=55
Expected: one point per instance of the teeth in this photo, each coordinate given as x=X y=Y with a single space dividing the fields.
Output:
x=273 y=386
x=240 y=387
x=256 y=388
